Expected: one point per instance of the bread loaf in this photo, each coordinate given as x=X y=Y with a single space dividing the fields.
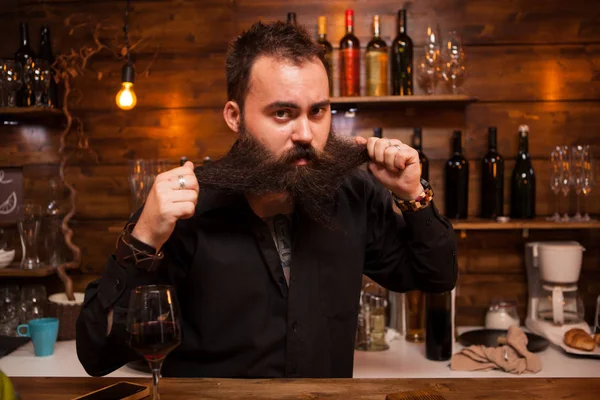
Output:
x=597 y=338
x=579 y=339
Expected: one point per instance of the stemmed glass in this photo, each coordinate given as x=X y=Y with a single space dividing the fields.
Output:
x=454 y=62
x=153 y=326
x=588 y=179
x=429 y=65
x=13 y=80
x=29 y=227
x=40 y=75
x=578 y=176
x=555 y=177
x=566 y=179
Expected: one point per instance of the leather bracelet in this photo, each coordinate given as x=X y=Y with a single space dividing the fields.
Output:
x=131 y=251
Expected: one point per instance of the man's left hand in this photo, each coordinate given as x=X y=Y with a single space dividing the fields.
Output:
x=395 y=165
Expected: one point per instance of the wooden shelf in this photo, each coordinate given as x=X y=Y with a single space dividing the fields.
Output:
x=14 y=271
x=538 y=223
x=403 y=100
x=19 y=116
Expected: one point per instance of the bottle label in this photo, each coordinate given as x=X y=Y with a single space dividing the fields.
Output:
x=377 y=73
x=350 y=72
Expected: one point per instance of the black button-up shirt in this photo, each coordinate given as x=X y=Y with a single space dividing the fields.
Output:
x=240 y=318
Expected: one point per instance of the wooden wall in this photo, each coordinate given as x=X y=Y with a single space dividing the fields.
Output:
x=529 y=62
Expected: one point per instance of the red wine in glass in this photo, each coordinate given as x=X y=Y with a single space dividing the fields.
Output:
x=155 y=339
x=153 y=326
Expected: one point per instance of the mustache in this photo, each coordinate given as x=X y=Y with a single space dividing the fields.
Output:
x=299 y=152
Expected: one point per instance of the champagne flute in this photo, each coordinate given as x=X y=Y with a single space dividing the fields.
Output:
x=153 y=326
x=565 y=179
x=578 y=176
x=555 y=182
x=588 y=179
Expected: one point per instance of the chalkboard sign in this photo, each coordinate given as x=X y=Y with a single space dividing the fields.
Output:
x=11 y=194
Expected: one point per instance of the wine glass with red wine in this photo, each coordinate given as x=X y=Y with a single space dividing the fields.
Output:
x=153 y=326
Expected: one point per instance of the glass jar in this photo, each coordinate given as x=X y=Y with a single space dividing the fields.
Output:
x=501 y=315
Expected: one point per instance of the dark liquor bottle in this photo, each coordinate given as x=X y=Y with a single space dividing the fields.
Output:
x=417 y=144
x=457 y=181
x=438 y=326
x=522 y=195
x=492 y=180
x=25 y=55
x=377 y=62
x=51 y=98
x=402 y=59
x=322 y=22
x=291 y=18
x=349 y=60
x=378 y=133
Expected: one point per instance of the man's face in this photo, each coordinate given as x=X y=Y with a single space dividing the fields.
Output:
x=287 y=105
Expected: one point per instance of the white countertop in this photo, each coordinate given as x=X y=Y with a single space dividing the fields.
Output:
x=402 y=360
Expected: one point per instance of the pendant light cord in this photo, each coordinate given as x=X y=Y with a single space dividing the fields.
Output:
x=126 y=32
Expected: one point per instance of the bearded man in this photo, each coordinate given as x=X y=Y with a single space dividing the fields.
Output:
x=266 y=247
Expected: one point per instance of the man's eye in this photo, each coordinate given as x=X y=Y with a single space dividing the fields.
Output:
x=282 y=114
x=318 y=111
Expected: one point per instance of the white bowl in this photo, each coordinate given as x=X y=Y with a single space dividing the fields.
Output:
x=6 y=257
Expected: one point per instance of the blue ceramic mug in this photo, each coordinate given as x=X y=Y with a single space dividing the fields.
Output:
x=43 y=333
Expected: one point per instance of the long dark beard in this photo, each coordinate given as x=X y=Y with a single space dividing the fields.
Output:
x=249 y=168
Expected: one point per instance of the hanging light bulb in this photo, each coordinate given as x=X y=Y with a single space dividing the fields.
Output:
x=126 y=98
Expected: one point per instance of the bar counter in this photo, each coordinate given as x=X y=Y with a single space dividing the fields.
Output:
x=348 y=389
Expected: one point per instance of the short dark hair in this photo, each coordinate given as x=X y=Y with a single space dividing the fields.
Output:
x=276 y=39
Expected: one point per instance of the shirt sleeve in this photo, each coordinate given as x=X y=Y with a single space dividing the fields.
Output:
x=414 y=251
x=99 y=353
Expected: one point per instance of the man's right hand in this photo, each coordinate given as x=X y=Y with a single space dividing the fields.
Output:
x=167 y=202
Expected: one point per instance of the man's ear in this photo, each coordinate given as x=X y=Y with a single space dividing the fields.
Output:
x=232 y=115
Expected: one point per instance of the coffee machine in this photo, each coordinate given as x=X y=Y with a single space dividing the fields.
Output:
x=554 y=305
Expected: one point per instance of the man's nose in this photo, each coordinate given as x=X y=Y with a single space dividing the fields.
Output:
x=302 y=131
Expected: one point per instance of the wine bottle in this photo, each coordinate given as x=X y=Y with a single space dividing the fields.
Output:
x=439 y=327
x=349 y=60
x=25 y=55
x=457 y=181
x=417 y=144
x=378 y=133
x=51 y=98
x=377 y=62
x=522 y=195
x=322 y=23
x=291 y=18
x=492 y=180
x=402 y=59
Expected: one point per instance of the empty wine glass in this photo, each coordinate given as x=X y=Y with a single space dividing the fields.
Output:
x=29 y=226
x=454 y=62
x=153 y=326
x=429 y=65
x=566 y=180
x=40 y=80
x=137 y=183
x=13 y=80
x=555 y=158
x=588 y=179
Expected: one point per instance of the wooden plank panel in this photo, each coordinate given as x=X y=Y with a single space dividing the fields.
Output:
x=171 y=82
x=120 y=136
x=174 y=27
x=486 y=21
x=104 y=192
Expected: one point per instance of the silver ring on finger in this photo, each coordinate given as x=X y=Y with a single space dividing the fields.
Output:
x=397 y=146
x=181 y=182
